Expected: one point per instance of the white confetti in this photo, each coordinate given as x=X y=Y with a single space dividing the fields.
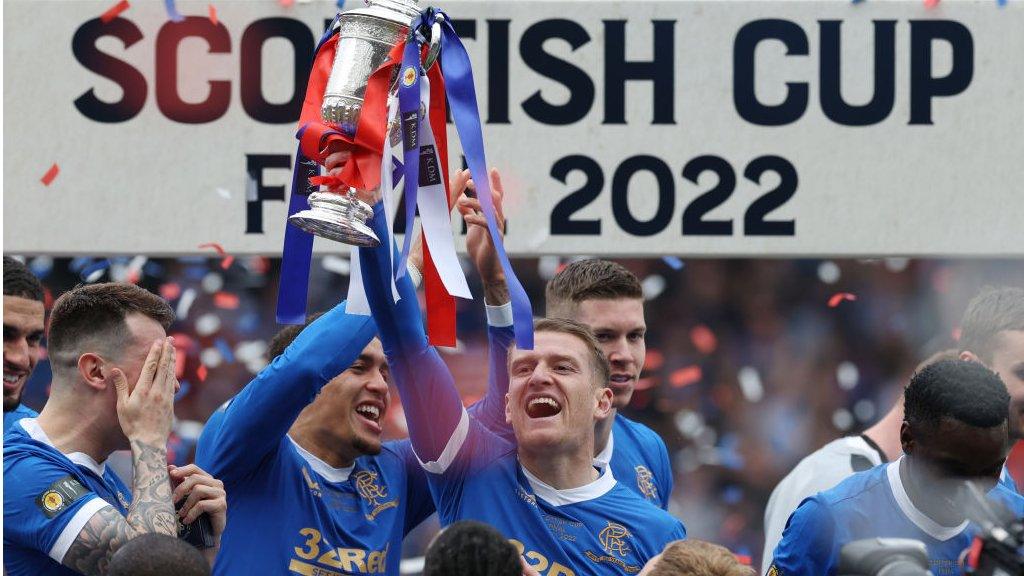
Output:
x=847 y=375
x=224 y=193
x=212 y=282
x=185 y=303
x=842 y=419
x=828 y=272
x=653 y=286
x=864 y=410
x=750 y=384
x=207 y=324
x=211 y=357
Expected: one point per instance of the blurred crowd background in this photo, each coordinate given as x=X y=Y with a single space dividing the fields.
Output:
x=751 y=364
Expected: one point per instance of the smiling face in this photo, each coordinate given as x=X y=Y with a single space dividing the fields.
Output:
x=350 y=409
x=23 y=331
x=1008 y=363
x=555 y=395
x=620 y=329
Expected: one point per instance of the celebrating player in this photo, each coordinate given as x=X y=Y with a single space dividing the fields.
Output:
x=992 y=332
x=955 y=430
x=304 y=439
x=113 y=388
x=835 y=462
x=23 y=331
x=608 y=298
x=544 y=493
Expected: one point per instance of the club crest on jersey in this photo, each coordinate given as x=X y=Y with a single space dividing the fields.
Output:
x=773 y=571
x=645 y=482
x=613 y=539
x=371 y=491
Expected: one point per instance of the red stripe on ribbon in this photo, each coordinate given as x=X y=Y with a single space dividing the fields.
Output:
x=440 y=304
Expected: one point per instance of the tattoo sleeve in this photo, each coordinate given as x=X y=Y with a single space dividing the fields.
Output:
x=151 y=511
x=496 y=293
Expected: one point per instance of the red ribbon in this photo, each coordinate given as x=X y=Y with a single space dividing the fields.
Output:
x=440 y=304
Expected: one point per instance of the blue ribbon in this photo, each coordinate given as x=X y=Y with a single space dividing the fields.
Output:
x=410 y=123
x=297 y=254
x=459 y=87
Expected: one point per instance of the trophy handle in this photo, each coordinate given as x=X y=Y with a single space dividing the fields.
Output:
x=435 y=43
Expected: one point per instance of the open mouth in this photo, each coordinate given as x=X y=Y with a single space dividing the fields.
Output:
x=621 y=380
x=11 y=379
x=542 y=407
x=371 y=413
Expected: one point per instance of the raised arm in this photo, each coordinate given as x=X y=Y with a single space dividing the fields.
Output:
x=433 y=409
x=256 y=420
x=145 y=415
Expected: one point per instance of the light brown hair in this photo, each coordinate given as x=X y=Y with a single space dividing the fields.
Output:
x=586 y=280
x=698 y=558
x=598 y=362
x=992 y=311
x=94 y=315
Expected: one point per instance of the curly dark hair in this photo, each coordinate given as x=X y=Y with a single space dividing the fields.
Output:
x=964 y=391
x=285 y=336
x=19 y=281
x=470 y=548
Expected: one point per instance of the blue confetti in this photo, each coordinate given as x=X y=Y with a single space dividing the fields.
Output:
x=78 y=263
x=1001 y=3
x=88 y=272
x=673 y=262
x=341 y=4
x=172 y=11
x=225 y=350
x=41 y=267
x=183 y=390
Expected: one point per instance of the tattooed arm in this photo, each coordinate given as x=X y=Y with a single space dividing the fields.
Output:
x=145 y=415
x=151 y=511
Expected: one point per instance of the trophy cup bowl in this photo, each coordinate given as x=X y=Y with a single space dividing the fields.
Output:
x=365 y=38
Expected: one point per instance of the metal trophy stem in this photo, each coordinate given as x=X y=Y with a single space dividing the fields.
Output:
x=365 y=38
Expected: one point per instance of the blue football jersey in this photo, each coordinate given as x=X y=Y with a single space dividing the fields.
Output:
x=48 y=498
x=20 y=411
x=1008 y=481
x=637 y=455
x=599 y=528
x=871 y=504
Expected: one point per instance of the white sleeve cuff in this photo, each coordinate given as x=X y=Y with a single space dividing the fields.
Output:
x=499 y=316
x=71 y=529
x=451 y=450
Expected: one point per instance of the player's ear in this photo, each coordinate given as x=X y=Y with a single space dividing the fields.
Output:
x=907 y=438
x=93 y=371
x=508 y=410
x=970 y=357
x=603 y=407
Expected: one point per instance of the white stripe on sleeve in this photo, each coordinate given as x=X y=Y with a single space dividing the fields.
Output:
x=72 y=528
x=451 y=450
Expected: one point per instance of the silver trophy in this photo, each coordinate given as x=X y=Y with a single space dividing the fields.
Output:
x=365 y=38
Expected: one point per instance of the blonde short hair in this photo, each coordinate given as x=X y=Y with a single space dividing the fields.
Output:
x=698 y=558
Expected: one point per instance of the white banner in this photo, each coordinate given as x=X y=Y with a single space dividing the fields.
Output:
x=701 y=128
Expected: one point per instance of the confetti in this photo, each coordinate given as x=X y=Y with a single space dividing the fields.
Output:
x=673 y=262
x=836 y=299
x=956 y=333
x=750 y=384
x=114 y=11
x=213 y=18
x=172 y=12
x=224 y=192
x=685 y=376
x=341 y=3
x=47 y=178
x=286 y=3
x=225 y=300
x=170 y=291
x=228 y=259
x=94 y=271
x=185 y=303
x=654 y=360
x=931 y=3
x=645 y=384
x=703 y=339
x=225 y=350
x=201 y=372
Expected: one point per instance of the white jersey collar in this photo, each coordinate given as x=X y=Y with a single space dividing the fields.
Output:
x=35 y=431
x=322 y=468
x=602 y=459
x=605 y=482
x=929 y=526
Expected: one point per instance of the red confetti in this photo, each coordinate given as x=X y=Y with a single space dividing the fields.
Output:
x=47 y=298
x=286 y=3
x=213 y=14
x=686 y=376
x=170 y=291
x=703 y=339
x=645 y=384
x=836 y=299
x=225 y=300
x=50 y=174
x=114 y=11
x=654 y=360
x=931 y=3
x=743 y=559
x=201 y=373
x=228 y=259
x=956 y=333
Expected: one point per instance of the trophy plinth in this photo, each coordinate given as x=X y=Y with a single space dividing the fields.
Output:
x=339 y=218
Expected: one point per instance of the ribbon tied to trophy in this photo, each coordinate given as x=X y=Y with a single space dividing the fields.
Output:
x=372 y=93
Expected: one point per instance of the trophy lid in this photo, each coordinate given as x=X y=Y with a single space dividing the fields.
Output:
x=401 y=11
